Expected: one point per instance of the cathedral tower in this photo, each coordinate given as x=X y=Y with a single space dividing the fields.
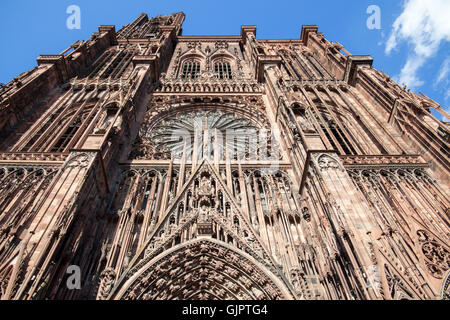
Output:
x=166 y=166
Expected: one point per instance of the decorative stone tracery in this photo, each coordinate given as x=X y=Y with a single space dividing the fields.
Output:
x=112 y=160
x=201 y=270
x=437 y=256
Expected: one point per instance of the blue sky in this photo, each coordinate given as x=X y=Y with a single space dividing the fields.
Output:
x=416 y=51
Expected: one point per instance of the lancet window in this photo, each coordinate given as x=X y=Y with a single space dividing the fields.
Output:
x=190 y=70
x=222 y=69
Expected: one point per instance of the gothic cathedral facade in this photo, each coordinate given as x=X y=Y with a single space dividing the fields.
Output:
x=154 y=165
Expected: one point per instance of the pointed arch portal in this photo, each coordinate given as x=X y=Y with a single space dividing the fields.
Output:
x=202 y=269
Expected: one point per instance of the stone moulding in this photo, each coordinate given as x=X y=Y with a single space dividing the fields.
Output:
x=20 y=157
x=384 y=161
x=264 y=282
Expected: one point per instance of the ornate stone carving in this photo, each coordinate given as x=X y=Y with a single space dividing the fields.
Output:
x=255 y=285
x=317 y=186
x=107 y=279
x=437 y=257
x=327 y=162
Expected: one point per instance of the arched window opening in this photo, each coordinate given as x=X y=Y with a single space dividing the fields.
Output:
x=146 y=195
x=67 y=136
x=180 y=211
x=188 y=201
x=299 y=110
x=220 y=201
x=227 y=209
x=222 y=69
x=340 y=137
x=191 y=69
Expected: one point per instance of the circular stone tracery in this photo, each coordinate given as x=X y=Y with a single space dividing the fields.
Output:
x=197 y=131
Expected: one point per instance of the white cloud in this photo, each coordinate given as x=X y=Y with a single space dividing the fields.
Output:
x=443 y=74
x=424 y=25
x=408 y=75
